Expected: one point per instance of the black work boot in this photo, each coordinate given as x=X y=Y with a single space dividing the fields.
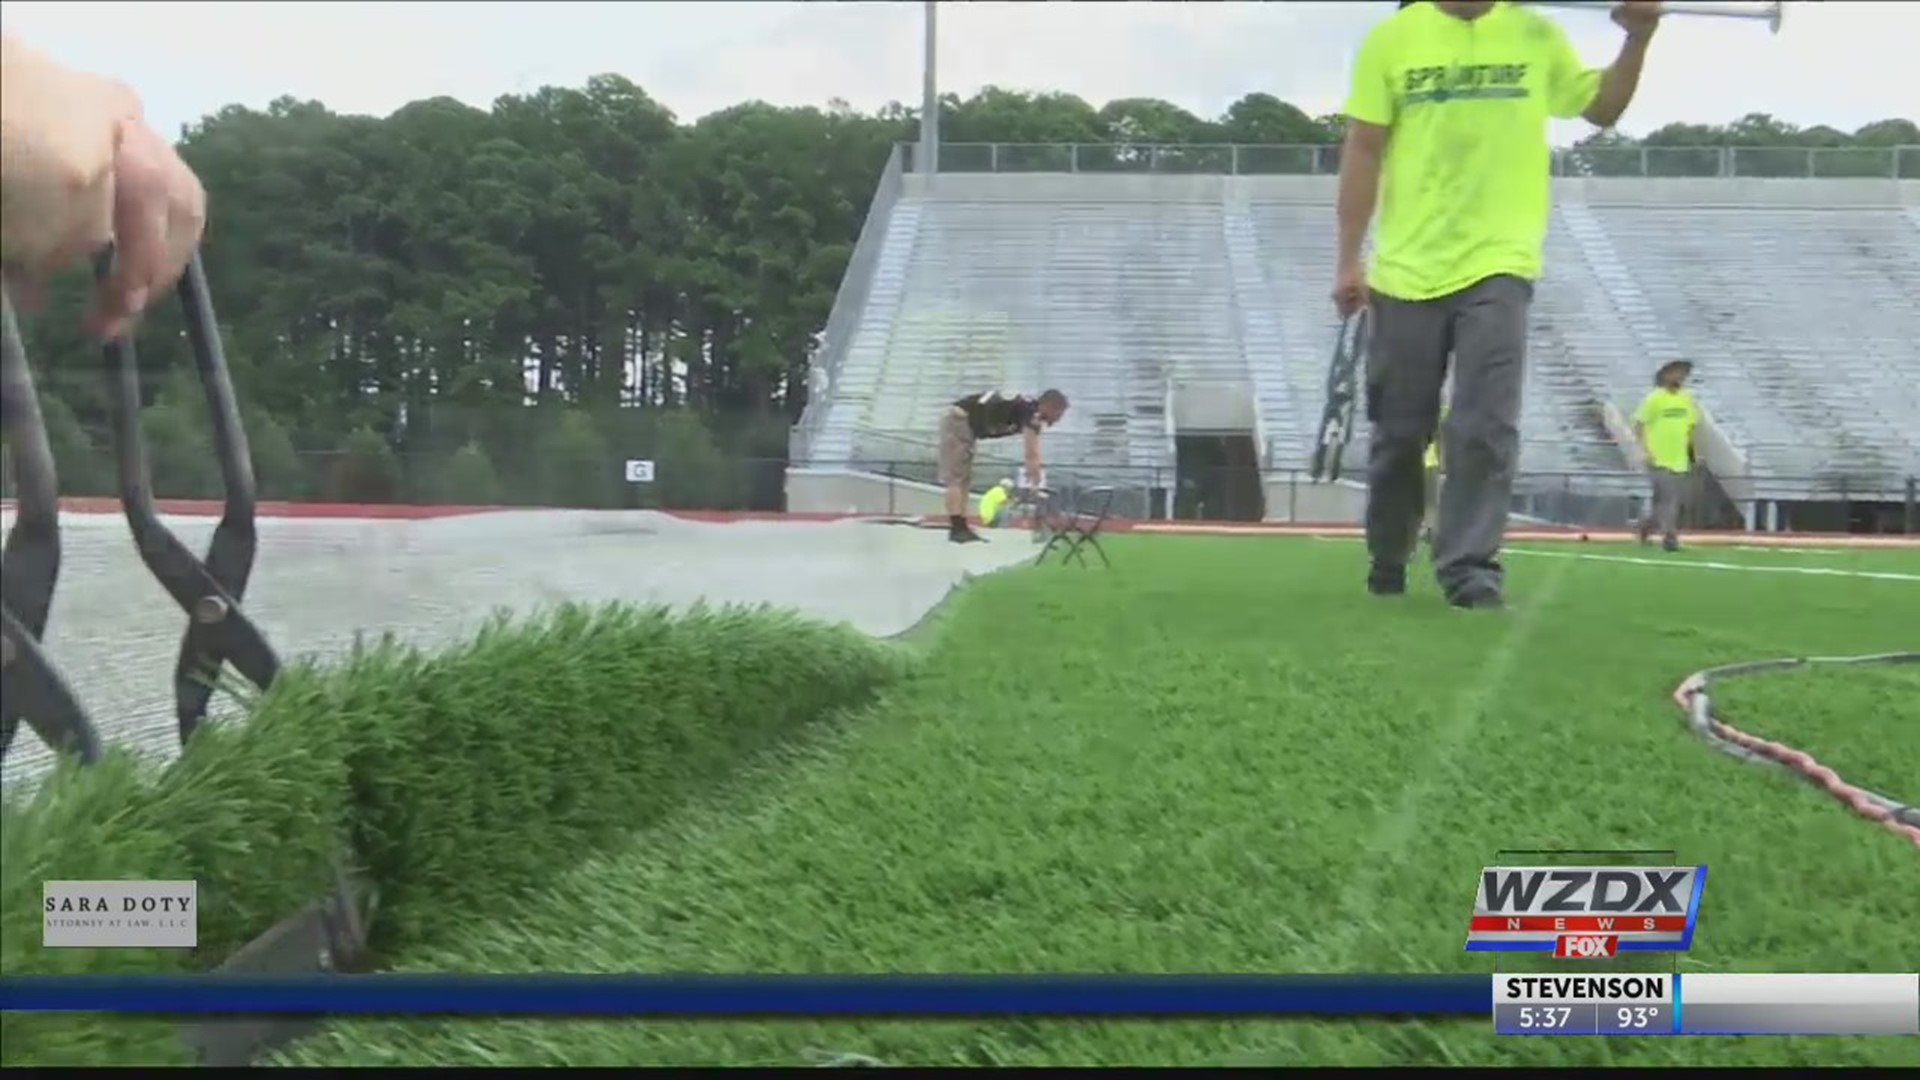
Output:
x=1480 y=592
x=1386 y=579
x=1478 y=598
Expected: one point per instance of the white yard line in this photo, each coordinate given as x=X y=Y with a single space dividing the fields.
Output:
x=1685 y=563
x=1697 y=564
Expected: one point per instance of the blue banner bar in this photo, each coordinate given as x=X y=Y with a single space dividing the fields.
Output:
x=755 y=995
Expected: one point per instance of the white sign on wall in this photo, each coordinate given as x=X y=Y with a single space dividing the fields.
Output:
x=639 y=472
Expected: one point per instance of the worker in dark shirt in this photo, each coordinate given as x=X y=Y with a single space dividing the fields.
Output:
x=992 y=415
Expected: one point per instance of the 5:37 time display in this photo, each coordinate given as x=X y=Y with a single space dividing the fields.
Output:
x=1545 y=1017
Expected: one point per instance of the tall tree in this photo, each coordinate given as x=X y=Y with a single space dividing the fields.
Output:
x=520 y=294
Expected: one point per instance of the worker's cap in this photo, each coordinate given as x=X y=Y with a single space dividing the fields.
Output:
x=1684 y=367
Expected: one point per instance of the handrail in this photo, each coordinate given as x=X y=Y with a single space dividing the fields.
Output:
x=1323 y=159
x=849 y=304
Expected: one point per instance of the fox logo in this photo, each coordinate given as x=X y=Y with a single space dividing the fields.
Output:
x=1585 y=946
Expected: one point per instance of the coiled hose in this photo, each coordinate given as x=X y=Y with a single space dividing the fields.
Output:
x=1903 y=819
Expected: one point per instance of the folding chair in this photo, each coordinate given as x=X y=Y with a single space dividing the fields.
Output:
x=1073 y=521
x=1032 y=505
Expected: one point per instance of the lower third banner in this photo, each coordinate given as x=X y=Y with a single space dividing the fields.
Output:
x=754 y=995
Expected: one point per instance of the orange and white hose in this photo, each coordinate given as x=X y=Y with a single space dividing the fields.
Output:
x=1903 y=819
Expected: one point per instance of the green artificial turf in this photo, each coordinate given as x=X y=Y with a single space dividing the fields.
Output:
x=1862 y=722
x=463 y=780
x=1220 y=756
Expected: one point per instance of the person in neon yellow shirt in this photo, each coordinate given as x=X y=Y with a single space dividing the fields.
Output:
x=1666 y=424
x=993 y=505
x=1447 y=138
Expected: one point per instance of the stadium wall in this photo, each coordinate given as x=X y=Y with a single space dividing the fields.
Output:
x=855 y=491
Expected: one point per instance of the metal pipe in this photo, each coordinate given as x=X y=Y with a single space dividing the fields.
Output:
x=929 y=157
x=1768 y=12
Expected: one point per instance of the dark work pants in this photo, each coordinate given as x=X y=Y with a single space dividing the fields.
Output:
x=1483 y=328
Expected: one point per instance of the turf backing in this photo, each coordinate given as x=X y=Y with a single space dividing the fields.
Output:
x=1220 y=757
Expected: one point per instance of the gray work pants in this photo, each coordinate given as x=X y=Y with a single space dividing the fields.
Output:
x=1669 y=496
x=1483 y=328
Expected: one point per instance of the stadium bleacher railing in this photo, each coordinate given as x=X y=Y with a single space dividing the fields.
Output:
x=849 y=304
x=1820 y=162
x=1576 y=500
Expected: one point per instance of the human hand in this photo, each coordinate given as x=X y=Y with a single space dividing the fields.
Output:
x=82 y=169
x=1349 y=289
x=159 y=212
x=1639 y=18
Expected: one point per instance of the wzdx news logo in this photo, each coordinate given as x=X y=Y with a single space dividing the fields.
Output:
x=1586 y=912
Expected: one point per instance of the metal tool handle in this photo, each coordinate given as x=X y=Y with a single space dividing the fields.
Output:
x=34 y=690
x=218 y=632
x=1769 y=13
x=1343 y=395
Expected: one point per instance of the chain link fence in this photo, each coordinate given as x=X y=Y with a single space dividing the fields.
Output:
x=718 y=482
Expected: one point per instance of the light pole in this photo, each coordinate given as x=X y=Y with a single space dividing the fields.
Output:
x=928 y=160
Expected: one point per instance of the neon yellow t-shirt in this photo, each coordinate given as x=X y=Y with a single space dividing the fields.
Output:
x=1668 y=417
x=1464 y=184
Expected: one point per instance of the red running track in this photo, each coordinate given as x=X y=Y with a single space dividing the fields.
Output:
x=393 y=512
x=389 y=511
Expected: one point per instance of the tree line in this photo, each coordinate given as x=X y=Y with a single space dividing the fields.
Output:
x=455 y=304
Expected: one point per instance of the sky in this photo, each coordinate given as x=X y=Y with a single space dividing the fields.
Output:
x=1842 y=63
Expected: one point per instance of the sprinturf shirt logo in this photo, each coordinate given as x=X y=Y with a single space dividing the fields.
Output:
x=1463 y=82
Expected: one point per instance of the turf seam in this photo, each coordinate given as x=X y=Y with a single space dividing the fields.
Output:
x=935 y=610
x=1693 y=698
x=1395 y=828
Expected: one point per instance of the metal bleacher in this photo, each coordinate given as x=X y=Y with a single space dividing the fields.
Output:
x=1105 y=301
x=1800 y=323
x=1574 y=333
x=1295 y=249
x=1797 y=300
x=1111 y=301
